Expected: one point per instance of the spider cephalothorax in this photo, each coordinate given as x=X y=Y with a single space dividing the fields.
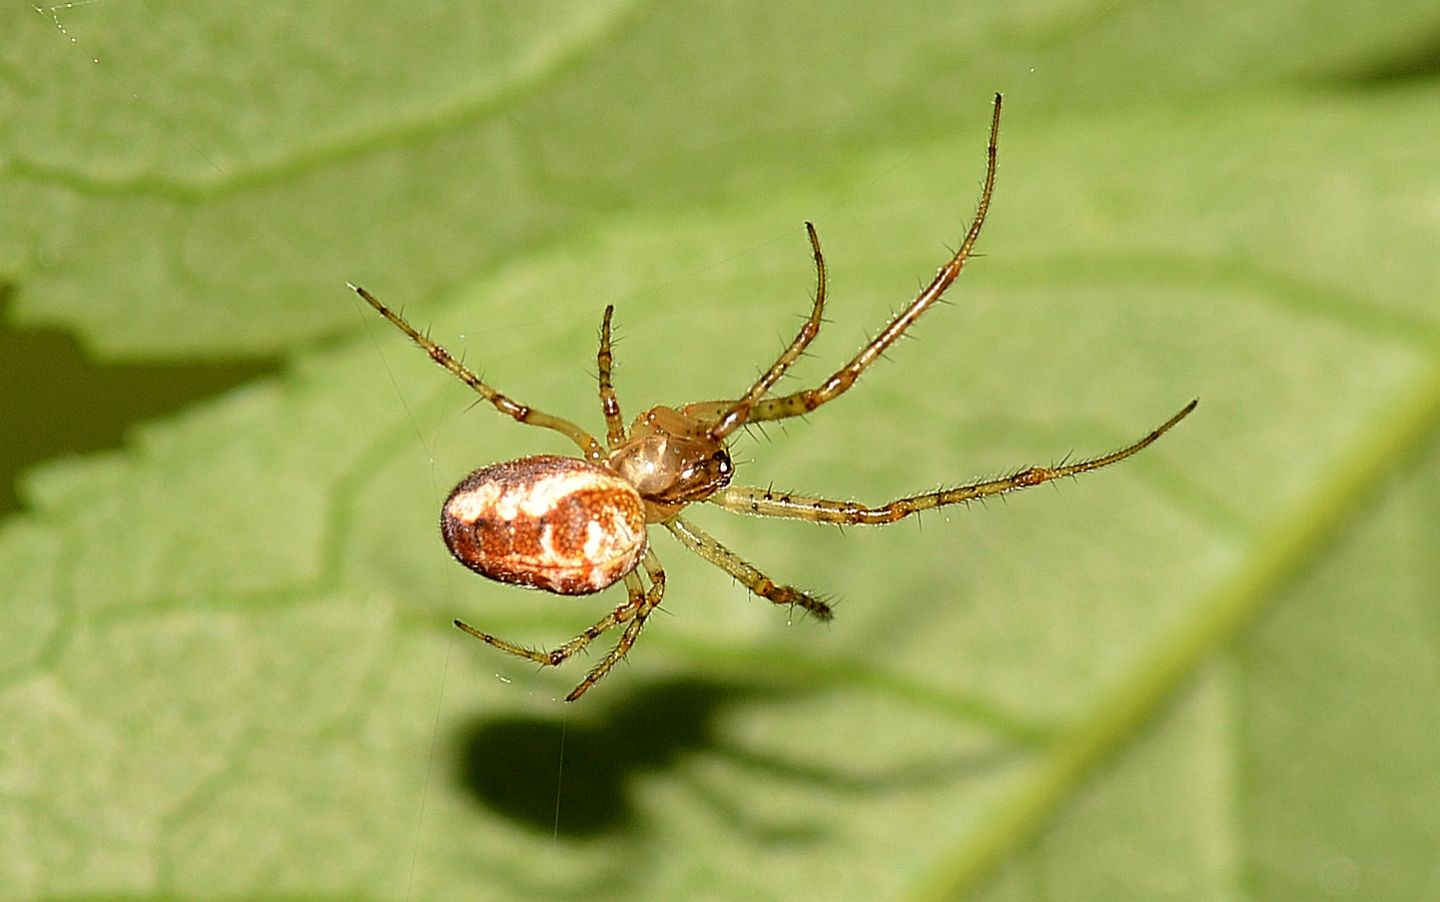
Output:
x=670 y=462
x=574 y=526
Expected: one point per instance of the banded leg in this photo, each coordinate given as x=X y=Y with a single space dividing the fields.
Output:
x=701 y=543
x=731 y=416
x=650 y=601
x=564 y=652
x=520 y=412
x=769 y=503
x=609 y=404
x=802 y=402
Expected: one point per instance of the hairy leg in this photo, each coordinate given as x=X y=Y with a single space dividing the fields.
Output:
x=609 y=404
x=564 y=652
x=520 y=412
x=648 y=603
x=802 y=402
x=701 y=543
x=787 y=505
x=729 y=416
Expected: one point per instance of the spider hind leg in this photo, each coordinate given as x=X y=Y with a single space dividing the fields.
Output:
x=633 y=612
x=646 y=605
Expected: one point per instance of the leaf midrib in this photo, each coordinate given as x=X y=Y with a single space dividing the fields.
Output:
x=1294 y=539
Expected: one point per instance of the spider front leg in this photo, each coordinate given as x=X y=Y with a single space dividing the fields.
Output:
x=769 y=503
x=511 y=408
x=727 y=416
x=803 y=402
x=707 y=547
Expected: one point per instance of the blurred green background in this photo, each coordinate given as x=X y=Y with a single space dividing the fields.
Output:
x=226 y=665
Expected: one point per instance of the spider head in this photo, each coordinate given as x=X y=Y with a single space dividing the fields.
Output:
x=670 y=460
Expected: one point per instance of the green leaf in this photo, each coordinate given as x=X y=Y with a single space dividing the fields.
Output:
x=226 y=664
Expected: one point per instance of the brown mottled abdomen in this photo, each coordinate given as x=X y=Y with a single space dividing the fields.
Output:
x=546 y=522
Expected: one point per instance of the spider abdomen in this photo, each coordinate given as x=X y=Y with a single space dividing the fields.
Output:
x=546 y=522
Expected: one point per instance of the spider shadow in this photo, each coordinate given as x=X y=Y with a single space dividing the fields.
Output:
x=575 y=778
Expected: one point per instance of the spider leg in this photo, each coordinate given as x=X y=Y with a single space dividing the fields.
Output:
x=520 y=412
x=647 y=603
x=698 y=541
x=728 y=416
x=769 y=503
x=802 y=402
x=609 y=404
x=564 y=652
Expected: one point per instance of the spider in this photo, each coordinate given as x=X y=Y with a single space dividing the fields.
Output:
x=576 y=525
